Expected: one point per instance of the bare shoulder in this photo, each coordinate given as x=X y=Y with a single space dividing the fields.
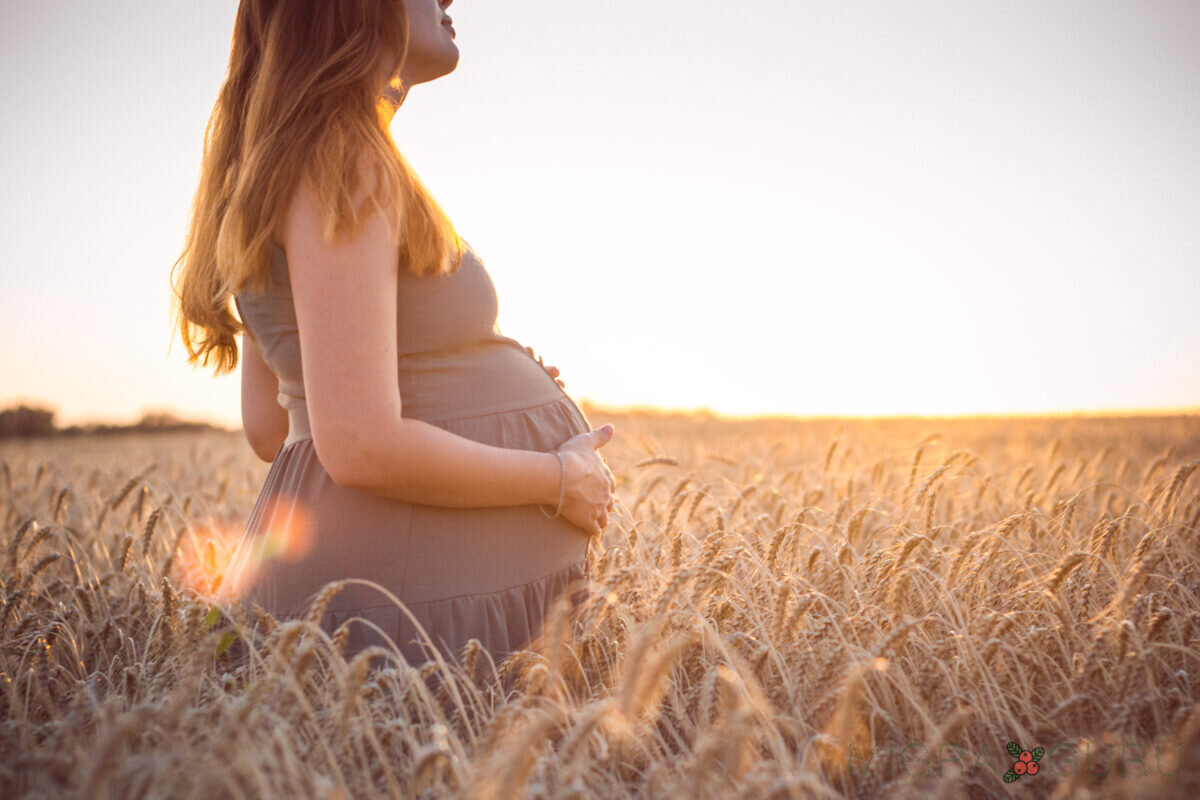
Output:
x=302 y=225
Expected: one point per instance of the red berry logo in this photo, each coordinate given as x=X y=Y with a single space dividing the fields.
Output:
x=1026 y=761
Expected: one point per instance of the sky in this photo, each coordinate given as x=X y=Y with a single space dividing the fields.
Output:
x=784 y=207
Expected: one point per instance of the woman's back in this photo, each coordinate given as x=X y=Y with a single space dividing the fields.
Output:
x=487 y=572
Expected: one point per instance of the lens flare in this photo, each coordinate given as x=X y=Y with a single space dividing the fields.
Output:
x=227 y=558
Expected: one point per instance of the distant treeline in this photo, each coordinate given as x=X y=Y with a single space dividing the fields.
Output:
x=26 y=422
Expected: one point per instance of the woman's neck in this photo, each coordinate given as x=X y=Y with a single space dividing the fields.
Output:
x=395 y=97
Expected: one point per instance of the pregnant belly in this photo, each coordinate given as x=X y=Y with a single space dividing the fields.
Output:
x=484 y=378
x=497 y=395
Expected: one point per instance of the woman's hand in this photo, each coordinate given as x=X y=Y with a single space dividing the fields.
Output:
x=552 y=371
x=588 y=486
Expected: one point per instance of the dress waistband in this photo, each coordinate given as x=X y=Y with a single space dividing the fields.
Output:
x=299 y=428
x=454 y=385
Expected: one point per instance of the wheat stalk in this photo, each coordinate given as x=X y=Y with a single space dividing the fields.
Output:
x=1068 y=563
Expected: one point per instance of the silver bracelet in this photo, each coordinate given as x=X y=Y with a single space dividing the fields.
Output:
x=562 y=486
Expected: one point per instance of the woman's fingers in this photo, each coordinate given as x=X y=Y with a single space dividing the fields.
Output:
x=553 y=372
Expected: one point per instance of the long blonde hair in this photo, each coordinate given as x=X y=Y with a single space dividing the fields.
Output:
x=301 y=101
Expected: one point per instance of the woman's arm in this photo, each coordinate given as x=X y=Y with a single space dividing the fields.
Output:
x=422 y=463
x=264 y=421
x=345 y=301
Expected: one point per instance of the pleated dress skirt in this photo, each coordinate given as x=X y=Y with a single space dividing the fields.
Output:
x=485 y=573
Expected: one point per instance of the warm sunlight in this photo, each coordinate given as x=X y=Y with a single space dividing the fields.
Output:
x=288 y=538
x=955 y=209
x=814 y=410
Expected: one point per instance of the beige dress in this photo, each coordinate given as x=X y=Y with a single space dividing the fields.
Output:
x=490 y=573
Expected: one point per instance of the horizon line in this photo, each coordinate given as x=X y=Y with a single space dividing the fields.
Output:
x=594 y=407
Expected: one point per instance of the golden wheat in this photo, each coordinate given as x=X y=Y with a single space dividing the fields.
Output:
x=852 y=589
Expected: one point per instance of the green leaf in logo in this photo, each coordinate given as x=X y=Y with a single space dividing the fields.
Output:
x=1014 y=749
x=1010 y=776
x=1038 y=752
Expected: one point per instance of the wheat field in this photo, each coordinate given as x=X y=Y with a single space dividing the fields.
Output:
x=818 y=608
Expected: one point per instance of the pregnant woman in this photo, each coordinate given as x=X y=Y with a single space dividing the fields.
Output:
x=412 y=445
